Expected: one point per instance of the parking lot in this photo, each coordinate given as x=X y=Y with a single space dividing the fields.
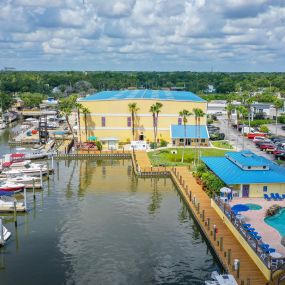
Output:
x=240 y=143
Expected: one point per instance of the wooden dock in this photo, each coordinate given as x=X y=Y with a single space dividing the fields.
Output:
x=224 y=243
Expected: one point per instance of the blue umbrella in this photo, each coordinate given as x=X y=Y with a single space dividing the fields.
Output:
x=240 y=208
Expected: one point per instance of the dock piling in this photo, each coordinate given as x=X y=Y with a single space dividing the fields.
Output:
x=15 y=213
x=41 y=177
x=1 y=233
x=25 y=199
x=34 y=194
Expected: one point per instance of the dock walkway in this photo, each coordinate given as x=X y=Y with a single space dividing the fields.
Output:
x=224 y=243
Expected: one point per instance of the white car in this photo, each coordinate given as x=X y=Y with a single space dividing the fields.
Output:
x=258 y=139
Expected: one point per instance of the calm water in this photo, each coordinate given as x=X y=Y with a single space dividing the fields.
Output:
x=278 y=222
x=96 y=223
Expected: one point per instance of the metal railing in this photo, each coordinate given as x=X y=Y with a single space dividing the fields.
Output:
x=270 y=262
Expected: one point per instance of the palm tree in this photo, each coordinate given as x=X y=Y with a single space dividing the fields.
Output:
x=229 y=108
x=85 y=111
x=196 y=113
x=155 y=109
x=66 y=106
x=200 y=114
x=79 y=107
x=184 y=114
x=248 y=103
x=158 y=110
x=241 y=113
x=133 y=110
x=278 y=104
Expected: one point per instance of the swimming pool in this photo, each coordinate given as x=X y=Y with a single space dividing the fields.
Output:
x=277 y=222
x=254 y=206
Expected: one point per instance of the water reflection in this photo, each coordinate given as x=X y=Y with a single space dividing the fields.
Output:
x=95 y=222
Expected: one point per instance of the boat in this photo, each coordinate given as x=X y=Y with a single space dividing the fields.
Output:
x=221 y=279
x=5 y=232
x=16 y=177
x=33 y=169
x=11 y=187
x=6 y=201
x=2 y=125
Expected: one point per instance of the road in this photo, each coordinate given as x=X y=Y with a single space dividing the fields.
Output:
x=236 y=139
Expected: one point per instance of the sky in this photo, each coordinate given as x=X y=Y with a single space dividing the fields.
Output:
x=143 y=35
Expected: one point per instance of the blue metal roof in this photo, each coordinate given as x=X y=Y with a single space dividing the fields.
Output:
x=231 y=174
x=177 y=132
x=144 y=94
x=247 y=158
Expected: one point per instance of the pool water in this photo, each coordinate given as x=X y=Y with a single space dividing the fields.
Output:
x=277 y=222
x=254 y=207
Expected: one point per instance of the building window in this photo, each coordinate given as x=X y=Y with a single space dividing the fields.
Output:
x=265 y=188
x=103 y=121
x=179 y=121
x=129 y=123
x=203 y=140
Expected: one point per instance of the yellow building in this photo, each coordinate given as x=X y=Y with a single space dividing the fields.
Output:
x=248 y=174
x=109 y=116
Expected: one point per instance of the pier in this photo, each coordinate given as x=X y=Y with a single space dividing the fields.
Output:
x=226 y=246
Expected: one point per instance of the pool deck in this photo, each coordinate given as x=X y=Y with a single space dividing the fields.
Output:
x=256 y=218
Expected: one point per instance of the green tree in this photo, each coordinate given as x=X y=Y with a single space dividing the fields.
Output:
x=155 y=109
x=200 y=114
x=85 y=111
x=241 y=113
x=184 y=114
x=66 y=107
x=278 y=104
x=229 y=108
x=133 y=110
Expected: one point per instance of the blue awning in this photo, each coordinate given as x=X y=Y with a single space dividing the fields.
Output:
x=192 y=132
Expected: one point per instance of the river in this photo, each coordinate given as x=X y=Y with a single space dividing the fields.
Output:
x=95 y=222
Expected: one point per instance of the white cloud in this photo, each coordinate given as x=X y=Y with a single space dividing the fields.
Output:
x=156 y=33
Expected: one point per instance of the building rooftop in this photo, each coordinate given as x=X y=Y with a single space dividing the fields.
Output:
x=144 y=94
x=177 y=132
x=232 y=173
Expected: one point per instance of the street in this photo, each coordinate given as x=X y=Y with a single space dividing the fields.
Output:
x=237 y=141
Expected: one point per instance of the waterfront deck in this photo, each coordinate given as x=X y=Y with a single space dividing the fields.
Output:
x=225 y=244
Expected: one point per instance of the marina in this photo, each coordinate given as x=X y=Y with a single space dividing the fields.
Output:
x=137 y=230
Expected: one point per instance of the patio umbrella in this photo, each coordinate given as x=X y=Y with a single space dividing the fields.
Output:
x=240 y=208
x=225 y=190
x=92 y=138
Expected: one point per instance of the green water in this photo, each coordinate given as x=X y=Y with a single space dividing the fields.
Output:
x=254 y=206
x=96 y=223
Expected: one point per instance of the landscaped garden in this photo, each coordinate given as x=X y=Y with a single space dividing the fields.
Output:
x=172 y=156
x=222 y=144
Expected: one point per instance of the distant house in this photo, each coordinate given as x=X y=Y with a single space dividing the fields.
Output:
x=248 y=174
x=210 y=89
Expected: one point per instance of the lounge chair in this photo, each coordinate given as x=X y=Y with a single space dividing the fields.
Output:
x=278 y=196
x=272 y=196
x=246 y=225
x=266 y=197
x=283 y=196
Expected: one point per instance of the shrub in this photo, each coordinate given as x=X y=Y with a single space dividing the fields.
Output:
x=273 y=210
x=153 y=145
x=99 y=145
x=264 y=129
x=281 y=119
x=163 y=143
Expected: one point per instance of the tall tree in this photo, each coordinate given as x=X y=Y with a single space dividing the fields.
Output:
x=66 y=106
x=133 y=110
x=196 y=113
x=184 y=114
x=229 y=108
x=79 y=107
x=85 y=111
x=241 y=113
x=200 y=114
x=155 y=109
x=278 y=104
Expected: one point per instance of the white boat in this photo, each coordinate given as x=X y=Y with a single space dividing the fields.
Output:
x=19 y=178
x=33 y=169
x=4 y=233
x=9 y=202
x=6 y=186
x=221 y=279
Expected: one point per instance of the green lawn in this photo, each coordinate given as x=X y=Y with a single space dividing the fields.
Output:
x=165 y=157
x=222 y=144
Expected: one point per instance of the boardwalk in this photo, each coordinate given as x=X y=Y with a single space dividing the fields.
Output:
x=225 y=244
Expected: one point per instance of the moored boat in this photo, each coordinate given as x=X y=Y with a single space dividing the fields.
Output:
x=11 y=187
x=221 y=279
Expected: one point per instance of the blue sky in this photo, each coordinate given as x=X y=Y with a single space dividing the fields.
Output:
x=163 y=35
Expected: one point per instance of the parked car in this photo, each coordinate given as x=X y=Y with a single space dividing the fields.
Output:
x=217 y=136
x=269 y=147
x=283 y=127
x=259 y=143
x=260 y=139
x=257 y=134
x=279 y=154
